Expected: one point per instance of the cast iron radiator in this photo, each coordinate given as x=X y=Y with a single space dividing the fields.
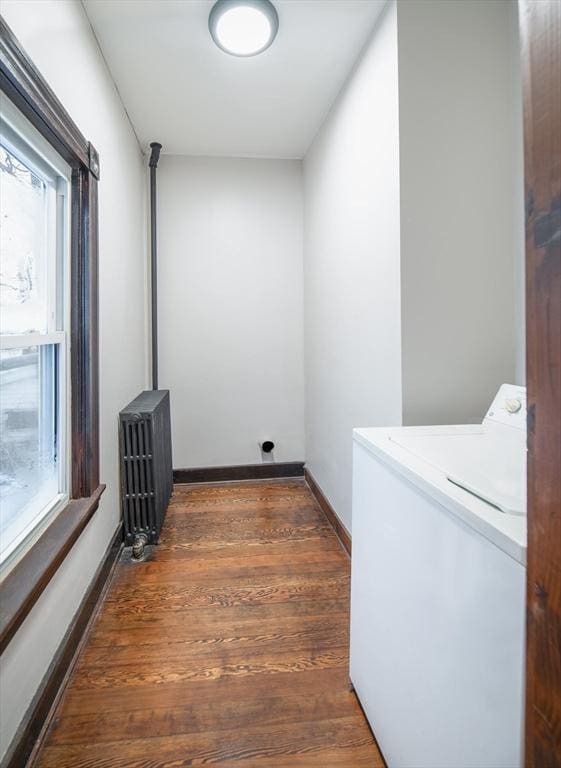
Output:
x=146 y=464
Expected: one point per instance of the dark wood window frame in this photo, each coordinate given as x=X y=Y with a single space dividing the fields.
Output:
x=24 y=85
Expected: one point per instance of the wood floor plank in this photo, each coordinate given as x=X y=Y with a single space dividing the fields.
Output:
x=247 y=639
x=184 y=598
x=227 y=664
x=261 y=536
x=257 y=489
x=234 y=688
x=209 y=747
x=195 y=717
x=229 y=646
x=230 y=568
x=172 y=622
x=224 y=549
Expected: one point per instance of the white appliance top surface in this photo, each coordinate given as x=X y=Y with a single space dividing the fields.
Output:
x=476 y=471
x=489 y=467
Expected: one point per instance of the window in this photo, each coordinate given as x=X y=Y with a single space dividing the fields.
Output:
x=49 y=485
x=34 y=220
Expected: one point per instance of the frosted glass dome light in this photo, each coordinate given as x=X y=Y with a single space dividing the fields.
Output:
x=243 y=27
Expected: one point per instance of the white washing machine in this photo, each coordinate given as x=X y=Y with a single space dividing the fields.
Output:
x=438 y=588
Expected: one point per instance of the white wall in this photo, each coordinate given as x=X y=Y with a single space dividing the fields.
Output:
x=461 y=198
x=517 y=169
x=413 y=248
x=352 y=283
x=230 y=309
x=57 y=36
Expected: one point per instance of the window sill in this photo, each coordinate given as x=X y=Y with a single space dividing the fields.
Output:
x=25 y=583
x=36 y=527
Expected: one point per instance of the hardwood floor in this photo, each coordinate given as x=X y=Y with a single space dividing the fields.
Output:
x=230 y=646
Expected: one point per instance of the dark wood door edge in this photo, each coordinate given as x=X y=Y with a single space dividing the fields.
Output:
x=342 y=533
x=540 y=35
x=24 y=585
x=240 y=472
x=27 y=742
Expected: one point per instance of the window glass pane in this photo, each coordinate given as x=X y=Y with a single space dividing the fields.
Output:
x=23 y=247
x=29 y=477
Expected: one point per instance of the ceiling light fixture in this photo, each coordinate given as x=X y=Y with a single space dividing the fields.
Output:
x=243 y=27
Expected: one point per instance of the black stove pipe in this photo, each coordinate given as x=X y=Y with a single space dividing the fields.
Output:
x=153 y=164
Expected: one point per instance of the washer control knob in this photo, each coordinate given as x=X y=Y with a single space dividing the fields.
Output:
x=513 y=405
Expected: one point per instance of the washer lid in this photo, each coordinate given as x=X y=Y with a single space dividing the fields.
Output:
x=401 y=450
x=484 y=463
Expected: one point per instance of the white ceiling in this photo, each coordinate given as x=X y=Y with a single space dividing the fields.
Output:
x=181 y=90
